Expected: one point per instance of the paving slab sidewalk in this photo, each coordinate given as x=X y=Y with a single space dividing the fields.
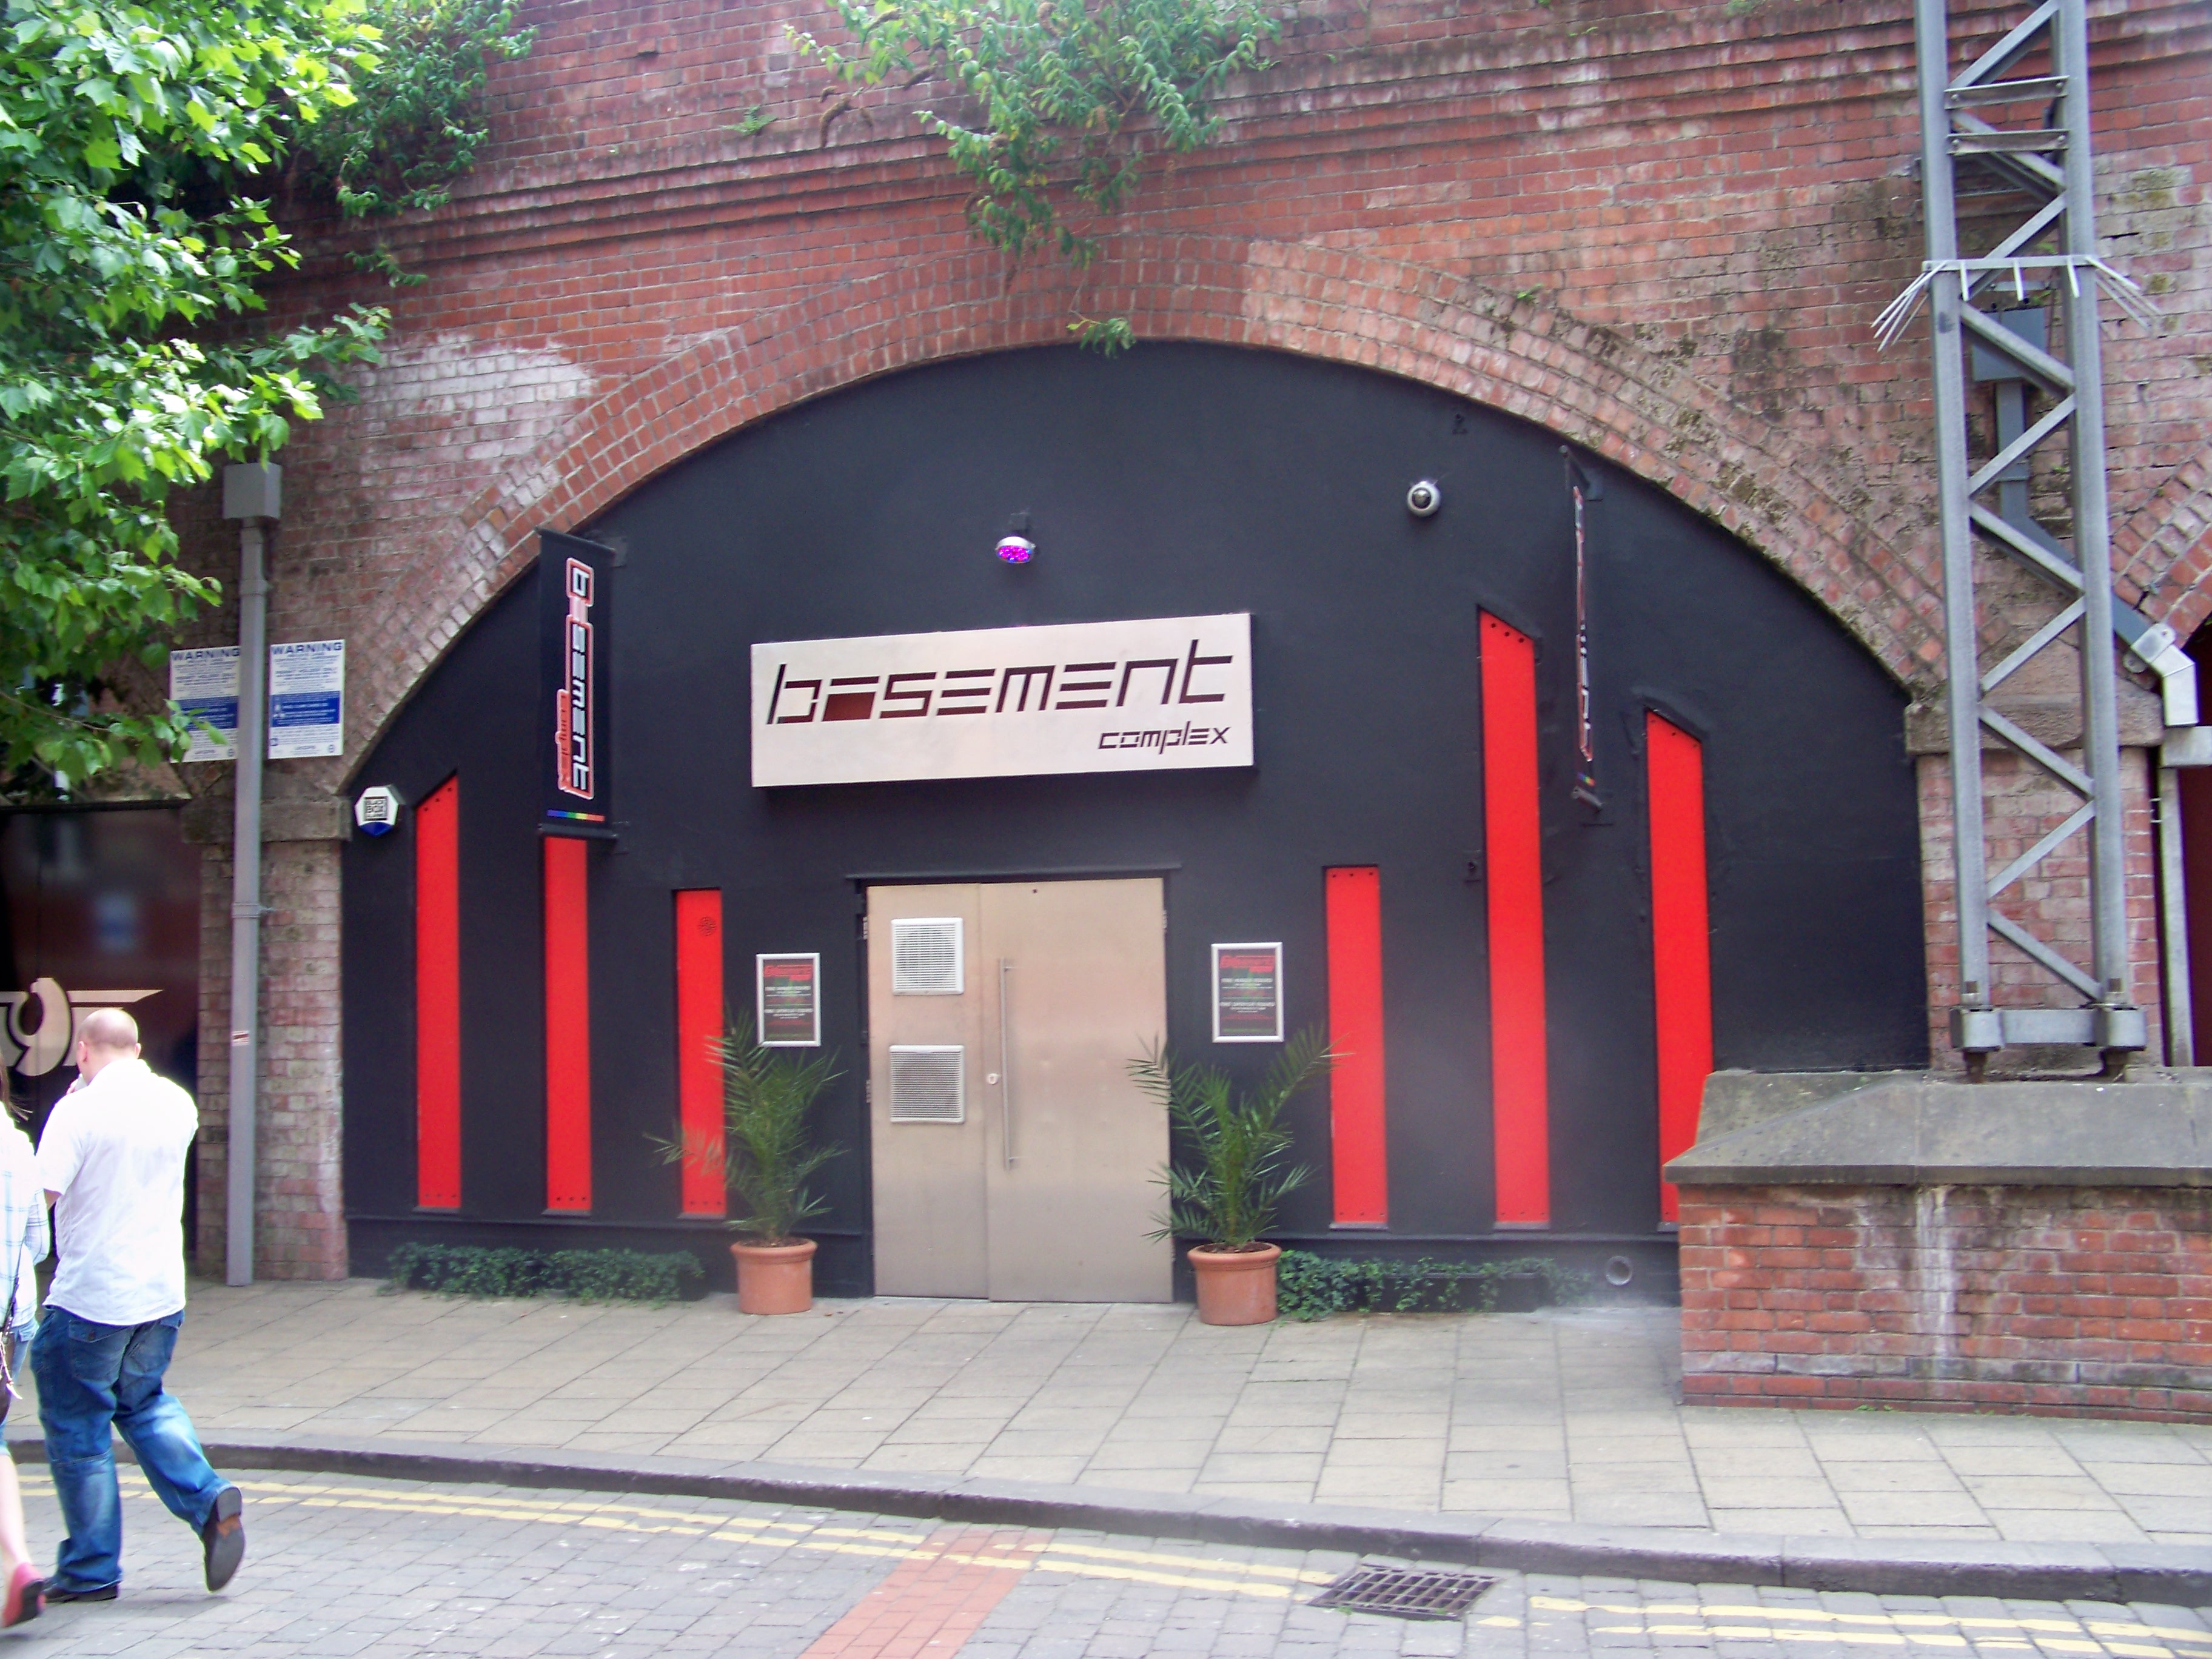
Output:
x=1568 y=1415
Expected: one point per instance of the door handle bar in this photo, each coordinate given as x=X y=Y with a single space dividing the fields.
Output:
x=1005 y=1072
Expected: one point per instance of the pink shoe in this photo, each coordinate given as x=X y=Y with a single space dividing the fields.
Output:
x=26 y=1599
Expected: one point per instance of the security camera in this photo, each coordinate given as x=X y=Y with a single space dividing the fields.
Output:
x=1423 y=499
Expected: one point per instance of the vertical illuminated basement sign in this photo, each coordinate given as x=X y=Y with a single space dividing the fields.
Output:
x=575 y=601
x=1520 y=1093
x=1681 y=937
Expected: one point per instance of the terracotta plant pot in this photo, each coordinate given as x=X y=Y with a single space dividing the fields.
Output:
x=1236 y=1288
x=779 y=1279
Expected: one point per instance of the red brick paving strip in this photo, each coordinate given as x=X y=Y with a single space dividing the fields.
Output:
x=936 y=1599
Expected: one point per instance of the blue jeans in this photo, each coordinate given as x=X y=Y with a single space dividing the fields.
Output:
x=95 y=1382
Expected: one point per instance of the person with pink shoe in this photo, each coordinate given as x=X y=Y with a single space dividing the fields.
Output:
x=23 y=1241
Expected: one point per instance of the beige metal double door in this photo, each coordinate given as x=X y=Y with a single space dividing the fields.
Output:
x=1012 y=1156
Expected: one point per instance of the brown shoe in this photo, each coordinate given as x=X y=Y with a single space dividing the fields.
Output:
x=222 y=1540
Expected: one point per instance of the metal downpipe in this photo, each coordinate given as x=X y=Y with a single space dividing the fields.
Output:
x=251 y=491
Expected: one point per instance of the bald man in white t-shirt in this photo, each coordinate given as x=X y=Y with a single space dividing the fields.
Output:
x=111 y=1159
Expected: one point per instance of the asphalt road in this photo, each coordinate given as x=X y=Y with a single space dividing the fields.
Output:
x=338 y=1566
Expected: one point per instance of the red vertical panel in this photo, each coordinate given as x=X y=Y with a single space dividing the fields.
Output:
x=1358 y=1143
x=1519 y=1068
x=437 y=999
x=1681 y=939
x=568 y=1027
x=698 y=1028
x=2197 y=892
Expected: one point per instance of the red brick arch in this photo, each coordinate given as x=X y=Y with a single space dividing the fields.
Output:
x=1769 y=486
x=2163 y=552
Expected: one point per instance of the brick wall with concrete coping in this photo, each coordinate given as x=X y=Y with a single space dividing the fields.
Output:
x=1662 y=234
x=1902 y=1240
x=2060 y=1301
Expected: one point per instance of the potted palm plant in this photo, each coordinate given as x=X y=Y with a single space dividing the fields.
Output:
x=1240 y=1174
x=765 y=1155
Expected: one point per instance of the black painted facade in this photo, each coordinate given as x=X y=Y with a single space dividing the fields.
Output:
x=1178 y=480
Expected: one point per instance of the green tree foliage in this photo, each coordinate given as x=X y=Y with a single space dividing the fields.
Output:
x=134 y=140
x=1060 y=99
x=124 y=129
x=415 y=127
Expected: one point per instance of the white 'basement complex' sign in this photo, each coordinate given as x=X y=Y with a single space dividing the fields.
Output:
x=1167 y=694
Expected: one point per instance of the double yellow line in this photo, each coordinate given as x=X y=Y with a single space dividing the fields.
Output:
x=1718 y=1620
x=2124 y=1639
x=1175 y=1570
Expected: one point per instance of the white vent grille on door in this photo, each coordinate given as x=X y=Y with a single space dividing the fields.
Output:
x=926 y=1084
x=926 y=958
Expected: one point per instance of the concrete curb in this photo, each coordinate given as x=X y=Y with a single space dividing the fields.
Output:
x=2119 y=1573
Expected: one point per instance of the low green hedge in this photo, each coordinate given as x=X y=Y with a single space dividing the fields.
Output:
x=1309 y=1286
x=587 y=1275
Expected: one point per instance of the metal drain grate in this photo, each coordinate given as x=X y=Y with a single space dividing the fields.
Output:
x=1405 y=1592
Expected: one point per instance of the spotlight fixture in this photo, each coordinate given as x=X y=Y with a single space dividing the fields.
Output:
x=1015 y=546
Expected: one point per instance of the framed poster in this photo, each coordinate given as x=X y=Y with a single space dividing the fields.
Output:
x=788 y=1000
x=1248 y=992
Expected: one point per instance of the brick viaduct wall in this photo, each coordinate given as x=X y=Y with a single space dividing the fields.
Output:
x=1662 y=234
x=2059 y=1301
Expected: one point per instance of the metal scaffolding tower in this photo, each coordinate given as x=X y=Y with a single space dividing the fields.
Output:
x=2036 y=168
